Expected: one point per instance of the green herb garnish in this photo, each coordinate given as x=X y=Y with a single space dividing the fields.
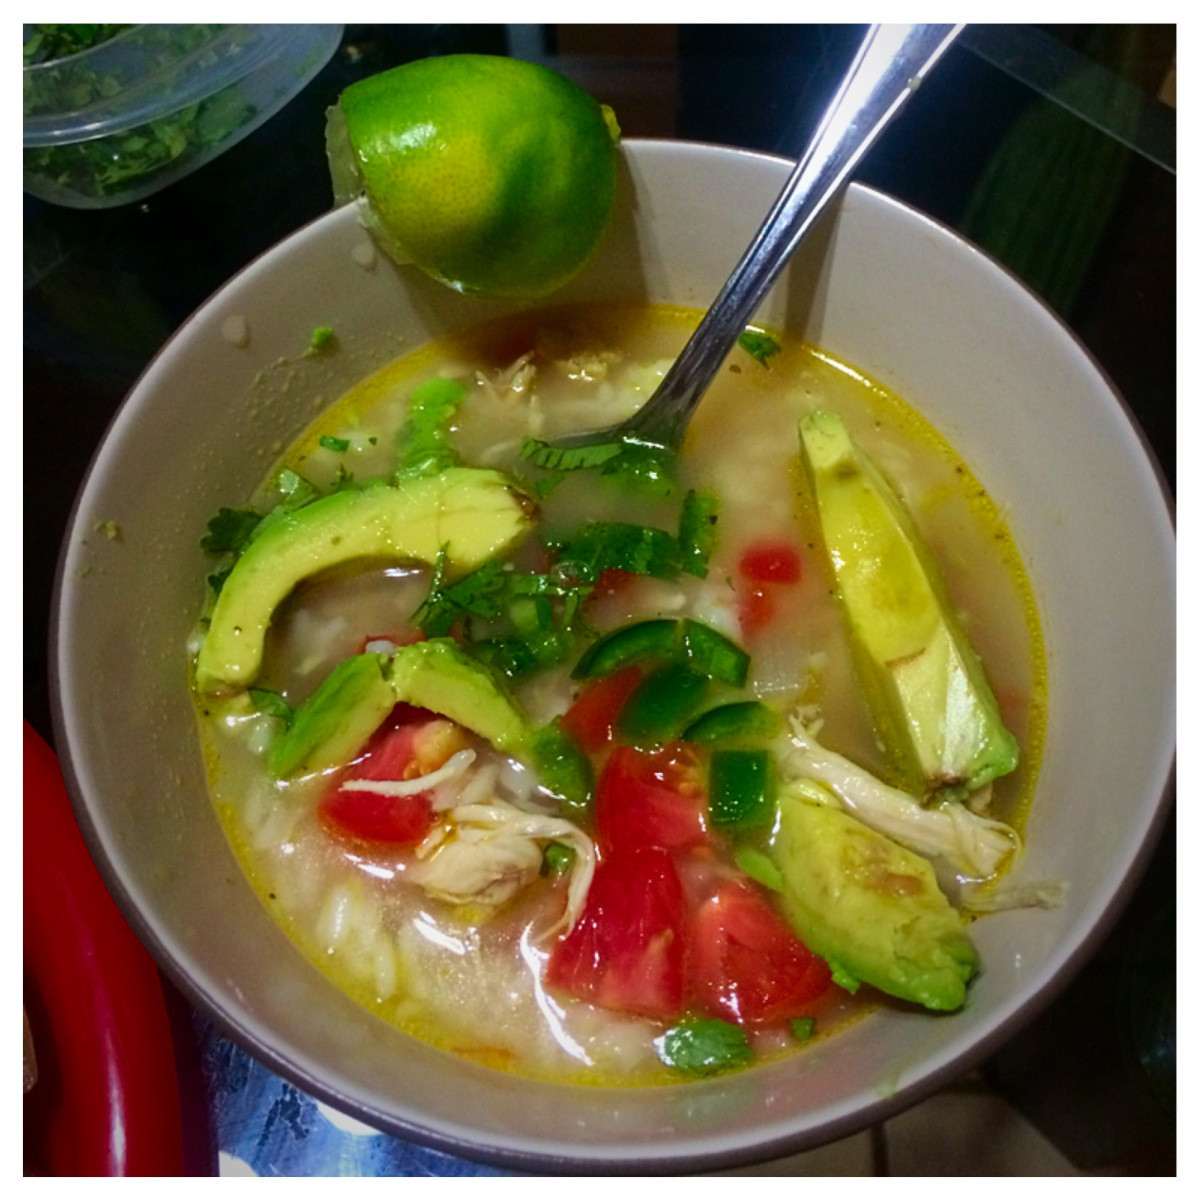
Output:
x=273 y=704
x=803 y=1028
x=104 y=165
x=759 y=345
x=598 y=546
x=322 y=341
x=336 y=444
x=229 y=532
x=704 y=1047
x=423 y=443
x=576 y=458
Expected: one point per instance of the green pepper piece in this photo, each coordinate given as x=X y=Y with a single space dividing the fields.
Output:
x=714 y=655
x=564 y=769
x=662 y=705
x=618 y=649
x=739 y=788
x=742 y=719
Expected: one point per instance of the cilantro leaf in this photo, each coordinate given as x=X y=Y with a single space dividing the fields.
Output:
x=336 y=444
x=598 y=546
x=229 y=532
x=273 y=704
x=803 y=1028
x=574 y=458
x=423 y=443
x=704 y=1047
x=759 y=345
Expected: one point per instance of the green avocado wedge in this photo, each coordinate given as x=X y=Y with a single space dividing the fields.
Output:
x=932 y=704
x=473 y=514
x=337 y=720
x=440 y=676
x=868 y=905
x=357 y=696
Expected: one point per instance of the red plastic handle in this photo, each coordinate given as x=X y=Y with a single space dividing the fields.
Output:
x=107 y=1097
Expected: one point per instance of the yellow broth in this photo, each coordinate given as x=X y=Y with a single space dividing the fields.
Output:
x=468 y=981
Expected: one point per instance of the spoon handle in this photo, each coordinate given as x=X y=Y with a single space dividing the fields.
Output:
x=890 y=64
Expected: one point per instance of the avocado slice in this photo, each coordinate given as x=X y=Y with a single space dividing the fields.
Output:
x=337 y=720
x=474 y=514
x=931 y=700
x=440 y=676
x=868 y=905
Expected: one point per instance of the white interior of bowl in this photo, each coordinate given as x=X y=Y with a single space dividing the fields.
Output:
x=880 y=286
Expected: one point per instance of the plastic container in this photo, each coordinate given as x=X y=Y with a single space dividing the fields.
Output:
x=120 y=121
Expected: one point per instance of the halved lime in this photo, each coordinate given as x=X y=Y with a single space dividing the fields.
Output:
x=492 y=174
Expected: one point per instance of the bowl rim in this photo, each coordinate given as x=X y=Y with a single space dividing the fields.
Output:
x=614 y=1163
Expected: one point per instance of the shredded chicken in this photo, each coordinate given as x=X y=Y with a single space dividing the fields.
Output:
x=514 y=382
x=454 y=766
x=486 y=853
x=976 y=845
x=1047 y=893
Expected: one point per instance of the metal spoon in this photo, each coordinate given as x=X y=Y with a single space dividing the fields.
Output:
x=890 y=64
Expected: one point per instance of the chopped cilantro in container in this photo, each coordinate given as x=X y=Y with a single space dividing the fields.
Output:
x=113 y=113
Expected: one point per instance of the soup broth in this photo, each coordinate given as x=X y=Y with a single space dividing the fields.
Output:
x=469 y=972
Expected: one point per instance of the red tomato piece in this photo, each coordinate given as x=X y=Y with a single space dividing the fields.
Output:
x=650 y=800
x=745 y=965
x=756 y=610
x=593 y=717
x=626 y=950
x=369 y=816
x=770 y=562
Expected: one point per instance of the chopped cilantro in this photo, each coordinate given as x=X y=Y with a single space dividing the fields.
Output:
x=297 y=491
x=759 y=345
x=216 y=580
x=336 y=444
x=322 y=341
x=803 y=1028
x=229 y=532
x=104 y=165
x=704 y=1046
x=650 y=467
x=575 y=458
x=273 y=704
x=598 y=546
x=697 y=532
x=423 y=443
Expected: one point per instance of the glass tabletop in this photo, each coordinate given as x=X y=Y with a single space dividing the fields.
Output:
x=1052 y=148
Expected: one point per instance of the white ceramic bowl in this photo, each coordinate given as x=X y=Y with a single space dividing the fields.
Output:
x=881 y=286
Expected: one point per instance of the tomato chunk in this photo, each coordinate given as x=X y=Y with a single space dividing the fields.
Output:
x=593 y=717
x=369 y=816
x=626 y=950
x=650 y=799
x=744 y=964
x=770 y=562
